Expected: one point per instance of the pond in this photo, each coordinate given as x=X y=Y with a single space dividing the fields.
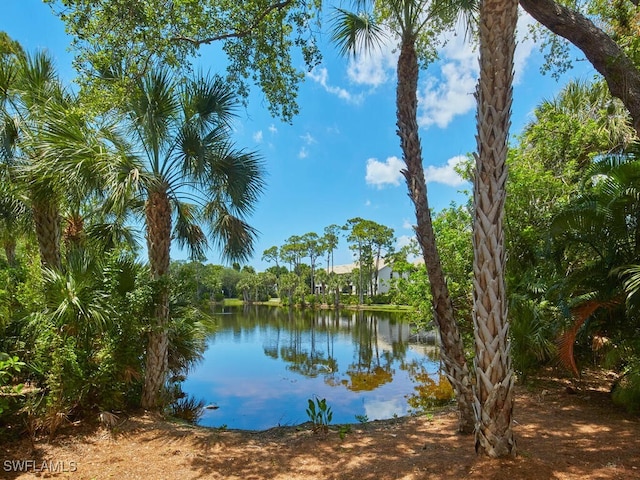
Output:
x=263 y=363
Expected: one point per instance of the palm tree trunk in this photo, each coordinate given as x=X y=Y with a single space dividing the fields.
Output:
x=158 y=217
x=452 y=348
x=493 y=403
x=10 y=250
x=46 y=217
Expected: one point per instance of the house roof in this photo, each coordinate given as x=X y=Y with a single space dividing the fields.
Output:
x=349 y=267
x=342 y=269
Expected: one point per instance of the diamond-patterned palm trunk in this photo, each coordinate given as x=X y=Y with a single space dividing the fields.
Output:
x=46 y=217
x=494 y=375
x=452 y=349
x=9 y=245
x=158 y=217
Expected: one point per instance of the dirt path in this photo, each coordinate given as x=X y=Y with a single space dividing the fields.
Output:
x=564 y=430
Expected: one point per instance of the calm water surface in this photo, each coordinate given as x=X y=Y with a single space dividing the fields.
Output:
x=263 y=363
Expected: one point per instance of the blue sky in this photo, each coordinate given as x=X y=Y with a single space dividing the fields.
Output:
x=340 y=158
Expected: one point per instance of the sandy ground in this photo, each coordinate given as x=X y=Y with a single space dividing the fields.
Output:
x=565 y=429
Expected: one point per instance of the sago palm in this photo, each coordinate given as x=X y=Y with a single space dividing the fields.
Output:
x=415 y=26
x=193 y=185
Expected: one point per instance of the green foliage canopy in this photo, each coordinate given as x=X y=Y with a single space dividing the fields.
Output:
x=257 y=36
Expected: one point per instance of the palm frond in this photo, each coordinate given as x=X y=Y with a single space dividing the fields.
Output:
x=355 y=33
x=8 y=76
x=630 y=276
x=187 y=232
x=449 y=11
x=580 y=313
x=208 y=101
x=111 y=235
x=233 y=236
x=236 y=177
x=153 y=108
x=190 y=151
x=38 y=79
x=184 y=130
x=9 y=135
x=77 y=302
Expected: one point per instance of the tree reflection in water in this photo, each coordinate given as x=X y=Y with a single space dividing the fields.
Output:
x=429 y=393
x=362 y=362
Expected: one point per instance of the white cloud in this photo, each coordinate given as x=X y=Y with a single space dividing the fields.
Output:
x=377 y=409
x=333 y=130
x=367 y=203
x=257 y=137
x=303 y=153
x=375 y=67
x=273 y=129
x=320 y=75
x=446 y=174
x=524 y=46
x=440 y=101
x=308 y=139
x=383 y=173
x=408 y=224
x=404 y=240
x=451 y=93
x=448 y=89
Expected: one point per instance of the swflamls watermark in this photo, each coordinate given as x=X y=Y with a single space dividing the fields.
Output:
x=40 y=466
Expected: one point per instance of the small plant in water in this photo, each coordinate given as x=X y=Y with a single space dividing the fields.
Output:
x=320 y=414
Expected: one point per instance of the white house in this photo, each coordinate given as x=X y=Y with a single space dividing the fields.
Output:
x=385 y=274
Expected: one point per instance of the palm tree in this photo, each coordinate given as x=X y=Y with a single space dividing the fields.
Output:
x=585 y=120
x=416 y=24
x=15 y=219
x=493 y=402
x=52 y=153
x=192 y=177
x=331 y=239
x=31 y=91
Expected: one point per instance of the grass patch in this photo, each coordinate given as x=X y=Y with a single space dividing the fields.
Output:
x=381 y=308
x=233 y=302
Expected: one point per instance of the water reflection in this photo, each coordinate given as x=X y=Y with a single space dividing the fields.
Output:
x=263 y=364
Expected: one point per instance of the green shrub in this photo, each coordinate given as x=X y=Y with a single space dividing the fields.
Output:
x=9 y=366
x=532 y=334
x=348 y=299
x=310 y=300
x=84 y=336
x=626 y=391
x=218 y=297
x=187 y=408
x=381 y=299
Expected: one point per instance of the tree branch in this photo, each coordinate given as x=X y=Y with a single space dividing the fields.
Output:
x=237 y=33
x=606 y=56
